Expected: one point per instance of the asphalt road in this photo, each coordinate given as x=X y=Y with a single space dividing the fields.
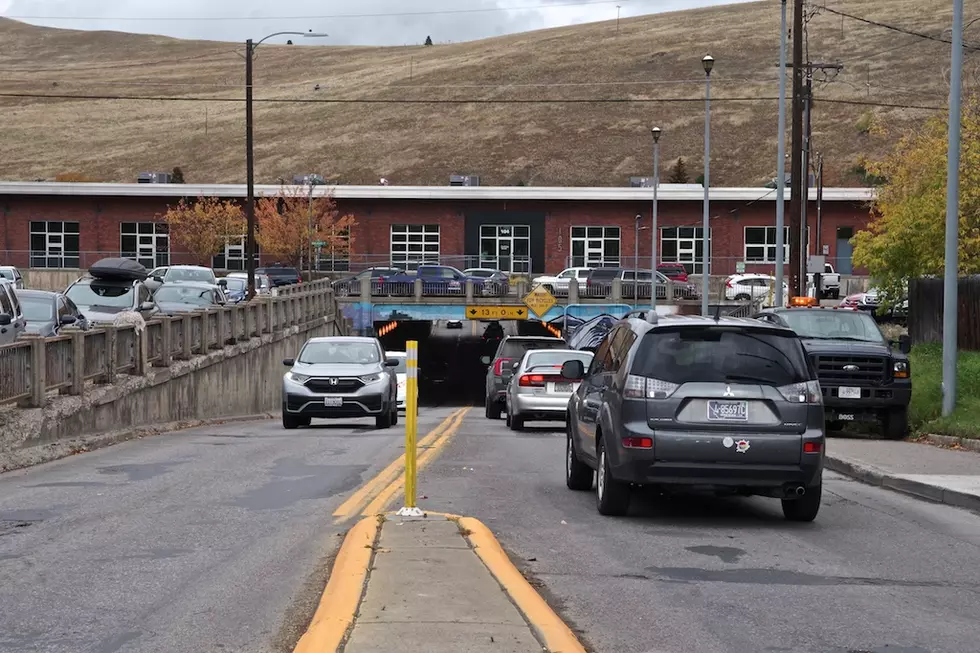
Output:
x=877 y=572
x=213 y=539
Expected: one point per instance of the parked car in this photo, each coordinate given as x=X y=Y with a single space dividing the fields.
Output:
x=171 y=273
x=187 y=297
x=829 y=282
x=340 y=376
x=235 y=289
x=537 y=390
x=637 y=284
x=454 y=324
x=47 y=312
x=746 y=287
x=863 y=377
x=113 y=286
x=501 y=367
x=559 y=283
x=263 y=284
x=12 y=274
x=12 y=322
x=673 y=271
x=443 y=280
x=729 y=405
x=376 y=276
x=496 y=281
x=280 y=276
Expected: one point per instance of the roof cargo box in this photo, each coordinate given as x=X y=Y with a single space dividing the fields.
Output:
x=118 y=268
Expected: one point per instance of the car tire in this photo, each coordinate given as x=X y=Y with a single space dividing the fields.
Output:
x=805 y=508
x=291 y=421
x=895 y=424
x=612 y=497
x=493 y=410
x=383 y=421
x=394 y=416
x=578 y=475
x=742 y=297
x=507 y=421
x=516 y=423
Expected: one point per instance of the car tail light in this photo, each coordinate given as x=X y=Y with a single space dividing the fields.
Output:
x=532 y=380
x=728 y=283
x=802 y=393
x=498 y=366
x=638 y=443
x=640 y=387
x=812 y=447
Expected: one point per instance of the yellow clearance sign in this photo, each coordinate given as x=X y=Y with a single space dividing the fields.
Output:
x=540 y=301
x=496 y=312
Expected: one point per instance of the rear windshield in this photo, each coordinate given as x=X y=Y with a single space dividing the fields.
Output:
x=833 y=325
x=37 y=309
x=101 y=294
x=557 y=358
x=7 y=274
x=178 y=294
x=722 y=355
x=235 y=284
x=191 y=274
x=517 y=348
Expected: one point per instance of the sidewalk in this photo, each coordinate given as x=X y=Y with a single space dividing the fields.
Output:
x=940 y=475
x=430 y=584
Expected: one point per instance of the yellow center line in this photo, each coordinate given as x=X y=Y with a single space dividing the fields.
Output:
x=369 y=490
x=384 y=497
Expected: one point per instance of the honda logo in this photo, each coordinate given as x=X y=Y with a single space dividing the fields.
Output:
x=334 y=381
x=851 y=368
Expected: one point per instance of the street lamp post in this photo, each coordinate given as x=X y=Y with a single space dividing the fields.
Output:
x=250 y=47
x=708 y=62
x=636 y=247
x=655 y=132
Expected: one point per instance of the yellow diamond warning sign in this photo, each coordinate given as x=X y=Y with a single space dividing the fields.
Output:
x=539 y=301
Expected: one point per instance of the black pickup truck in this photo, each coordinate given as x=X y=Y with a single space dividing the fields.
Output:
x=863 y=376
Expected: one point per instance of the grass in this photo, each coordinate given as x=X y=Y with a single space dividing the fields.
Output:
x=653 y=57
x=925 y=409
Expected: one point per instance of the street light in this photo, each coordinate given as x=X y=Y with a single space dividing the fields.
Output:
x=708 y=62
x=636 y=246
x=249 y=154
x=655 y=132
x=314 y=180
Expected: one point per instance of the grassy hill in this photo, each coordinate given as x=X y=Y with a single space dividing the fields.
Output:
x=654 y=57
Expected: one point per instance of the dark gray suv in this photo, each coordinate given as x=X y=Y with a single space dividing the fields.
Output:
x=728 y=404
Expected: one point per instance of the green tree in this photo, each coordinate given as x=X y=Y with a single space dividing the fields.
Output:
x=678 y=173
x=177 y=176
x=905 y=238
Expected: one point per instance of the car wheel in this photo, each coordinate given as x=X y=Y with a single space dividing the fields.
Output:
x=290 y=421
x=805 y=508
x=507 y=419
x=742 y=297
x=493 y=410
x=394 y=416
x=895 y=424
x=578 y=475
x=383 y=420
x=612 y=496
x=516 y=423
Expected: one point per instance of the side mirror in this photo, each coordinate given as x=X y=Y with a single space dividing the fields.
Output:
x=904 y=344
x=483 y=359
x=223 y=283
x=157 y=279
x=68 y=319
x=5 y=319
x=391 y=362
x=515 y=365
x=289 y=362
x=147 y=306
x=573 y=370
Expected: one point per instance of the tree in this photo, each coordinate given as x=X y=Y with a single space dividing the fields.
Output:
x=203 y=227
x=177 y=176
x=428 y=40
x=905 y=238
x=678 y=173
x=284 y=221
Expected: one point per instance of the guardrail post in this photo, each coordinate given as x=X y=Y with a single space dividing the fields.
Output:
x=188 y=326
x=205 y=341
x=221 y=317
x=271 y=308
x=669 y=297
x=77 y=362
x=617 y=291
x=142 y=362
x=469 y=291
x=573 y=291
x=419 y=290
x=248 y=321
x=521 y=287
x=39 y=371
x=365 y=291
x=111 y=343
x=166 y=341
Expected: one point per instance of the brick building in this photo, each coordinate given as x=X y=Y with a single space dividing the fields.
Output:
x=519 y=229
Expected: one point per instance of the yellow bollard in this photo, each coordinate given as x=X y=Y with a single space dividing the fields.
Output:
x=411 y=427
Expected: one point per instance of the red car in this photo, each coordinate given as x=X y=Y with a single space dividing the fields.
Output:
x=673 y=271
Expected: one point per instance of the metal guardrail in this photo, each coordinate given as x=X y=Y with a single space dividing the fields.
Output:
x=34 y=366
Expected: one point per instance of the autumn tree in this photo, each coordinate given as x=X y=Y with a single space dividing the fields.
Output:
x=678 y=173
x=905 y=238
x=204 y=226
x=290 y=220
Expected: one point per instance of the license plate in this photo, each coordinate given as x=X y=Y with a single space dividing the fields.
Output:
x=563 y=387
x=333 y=402
x=728 y=411
x=849 y=393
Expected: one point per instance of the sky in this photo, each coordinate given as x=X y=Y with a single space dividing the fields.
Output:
x=365 y=22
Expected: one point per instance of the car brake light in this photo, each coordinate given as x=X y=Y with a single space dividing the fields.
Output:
x=639 y=387
x=812 y=447
x=728 y=283
x=532 y=380
x=498 y=366
x=802 y=393
x=638 y=443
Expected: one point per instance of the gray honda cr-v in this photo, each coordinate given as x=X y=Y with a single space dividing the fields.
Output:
x=689 y=402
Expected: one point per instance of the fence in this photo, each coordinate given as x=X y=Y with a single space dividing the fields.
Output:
x=34 y=366
x=925 y=314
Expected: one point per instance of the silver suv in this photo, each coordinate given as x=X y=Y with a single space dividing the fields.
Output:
x=340 y=376
x=728 y=404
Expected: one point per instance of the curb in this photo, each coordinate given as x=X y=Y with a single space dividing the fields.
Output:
x=873 y=476
x=341 y=597
x=969 y=444
x=550 y=630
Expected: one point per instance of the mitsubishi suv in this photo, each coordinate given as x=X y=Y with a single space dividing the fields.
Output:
x=688 y=402
x=340 y=376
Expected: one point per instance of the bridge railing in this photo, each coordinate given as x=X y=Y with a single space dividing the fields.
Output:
x=34 y=366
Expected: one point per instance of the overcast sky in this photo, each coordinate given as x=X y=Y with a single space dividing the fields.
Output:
x=365 y=22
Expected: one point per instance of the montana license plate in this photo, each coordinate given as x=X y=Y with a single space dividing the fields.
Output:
x=849 y=393
x=333 y=402
x=728 y=411
x=565 y=388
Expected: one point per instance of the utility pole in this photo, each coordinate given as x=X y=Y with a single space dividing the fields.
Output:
x=805 y=204
x=796 y=152
x=250 y=174
x=781 y=165
x=817 y=283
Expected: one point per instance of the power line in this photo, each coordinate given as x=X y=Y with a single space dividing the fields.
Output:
x=894 y=28
x=322 y=16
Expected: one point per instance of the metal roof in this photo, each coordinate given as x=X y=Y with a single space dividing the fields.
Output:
x=572 y=193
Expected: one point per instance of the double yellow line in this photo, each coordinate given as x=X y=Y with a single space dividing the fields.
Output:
x=374 y=496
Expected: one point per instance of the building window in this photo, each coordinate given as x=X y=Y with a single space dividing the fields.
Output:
x=685 y=245
x=760 y=244
x=232 y=258
x=147 y=243
x=333 y=257
x=412 y=244
x=505 y=247
x=54 y=245
x=595 y=247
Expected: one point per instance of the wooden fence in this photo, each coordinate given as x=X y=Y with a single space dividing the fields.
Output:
x=34 y=366
x=925 y=318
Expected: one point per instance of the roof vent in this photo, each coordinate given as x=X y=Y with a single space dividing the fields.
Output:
x=307 y=180
x=154 y=178
x=464 y=180
x=641 y=182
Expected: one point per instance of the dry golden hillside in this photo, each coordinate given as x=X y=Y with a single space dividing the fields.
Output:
x=381 y=129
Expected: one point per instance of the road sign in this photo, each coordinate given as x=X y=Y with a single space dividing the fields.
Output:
x=496 y=313
x=318 y=243
x=740 y=267
x=539 y=300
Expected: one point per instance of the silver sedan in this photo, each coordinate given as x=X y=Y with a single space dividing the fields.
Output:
x=537 y=391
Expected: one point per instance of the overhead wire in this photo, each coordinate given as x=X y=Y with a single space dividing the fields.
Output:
x=894 y=28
